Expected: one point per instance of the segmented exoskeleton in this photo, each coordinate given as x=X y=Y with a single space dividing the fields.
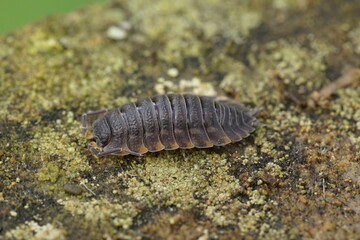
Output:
x=168 y=122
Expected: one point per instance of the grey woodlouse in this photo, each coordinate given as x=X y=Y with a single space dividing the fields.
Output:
x=168 y=122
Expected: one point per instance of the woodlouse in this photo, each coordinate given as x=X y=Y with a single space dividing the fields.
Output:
x=168 y=122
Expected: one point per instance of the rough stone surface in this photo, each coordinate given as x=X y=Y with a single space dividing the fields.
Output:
x=297 y=177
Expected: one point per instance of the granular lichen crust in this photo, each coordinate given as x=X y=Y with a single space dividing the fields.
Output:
x=32 y=231
x=296 y=177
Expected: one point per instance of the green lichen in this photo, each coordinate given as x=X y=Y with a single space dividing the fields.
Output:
x=103 y=214
x=354 y=35
x=49 y=172
x=184 y=184
x=33 y=231
x=294 y=177
x=175 y=21
x=279 y=66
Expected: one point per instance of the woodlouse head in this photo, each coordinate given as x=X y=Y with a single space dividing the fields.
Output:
x=101 y=132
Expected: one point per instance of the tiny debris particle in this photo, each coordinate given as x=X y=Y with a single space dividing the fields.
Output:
x=13 y=213
x=73 y=189
x=173 y=72
x=116 y=33
x=125 y=25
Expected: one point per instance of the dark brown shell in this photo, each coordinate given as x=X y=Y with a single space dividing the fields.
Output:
x=168 y=122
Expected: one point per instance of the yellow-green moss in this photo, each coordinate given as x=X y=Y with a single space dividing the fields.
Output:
x=103 y=214
x=284 y=181
x=49 y=172
x=33 y=231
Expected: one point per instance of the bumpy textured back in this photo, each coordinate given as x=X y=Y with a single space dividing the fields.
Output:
x=173 y=121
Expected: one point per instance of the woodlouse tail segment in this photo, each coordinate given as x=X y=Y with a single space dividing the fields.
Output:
x=255 y=112
x=258 y=124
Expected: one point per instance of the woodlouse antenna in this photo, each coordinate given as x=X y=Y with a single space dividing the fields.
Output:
x=114 y=151
x=97 y=153
x=117 y=151
x=83 y=124
x=93 y=150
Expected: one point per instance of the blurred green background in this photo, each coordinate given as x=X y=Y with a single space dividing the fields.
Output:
x=17 y=13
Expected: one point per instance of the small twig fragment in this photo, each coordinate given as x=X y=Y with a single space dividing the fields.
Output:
x=323 y=187
x=318 y=97
x=86 y=187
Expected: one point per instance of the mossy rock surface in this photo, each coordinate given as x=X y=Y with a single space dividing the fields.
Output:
x=296 y=177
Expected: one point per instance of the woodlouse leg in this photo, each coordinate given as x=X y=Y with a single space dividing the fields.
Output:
x=85 y=116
